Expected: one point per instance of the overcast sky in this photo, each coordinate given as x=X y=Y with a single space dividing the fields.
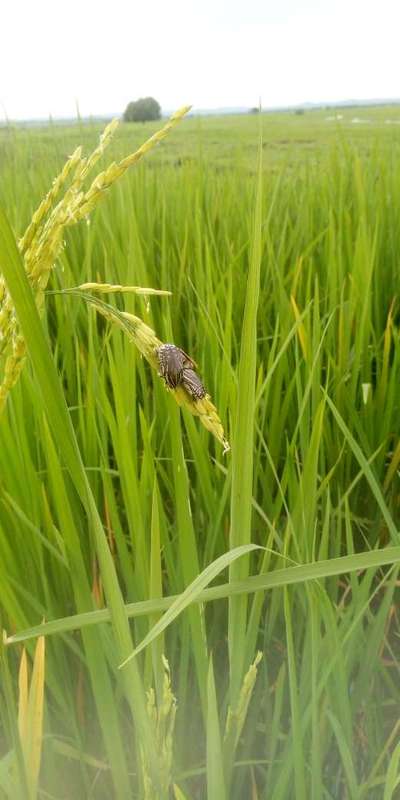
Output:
x=210 y=53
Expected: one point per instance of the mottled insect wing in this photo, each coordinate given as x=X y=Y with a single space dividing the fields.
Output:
x=188 y=362
x=193 y=384
x=172 y=361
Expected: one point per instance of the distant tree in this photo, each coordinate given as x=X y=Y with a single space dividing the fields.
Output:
x=254 y=110
x=141 y=110
x=299 y=111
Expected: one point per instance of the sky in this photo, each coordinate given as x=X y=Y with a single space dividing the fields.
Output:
x=59 y=55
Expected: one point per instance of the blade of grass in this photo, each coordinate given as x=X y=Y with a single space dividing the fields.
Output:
x=255 y=583
x=299 y=762
x=191 y=594
x=215 y=771
x=367 y=471
x=243 y=446
x=34 y=734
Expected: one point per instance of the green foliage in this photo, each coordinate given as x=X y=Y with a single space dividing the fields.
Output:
x=284 y=289
x=142 y=110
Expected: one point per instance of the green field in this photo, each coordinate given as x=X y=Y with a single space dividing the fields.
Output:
x=282 y=254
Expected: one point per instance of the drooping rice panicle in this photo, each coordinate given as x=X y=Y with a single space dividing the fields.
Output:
x=109 y=288
x=12 y=369
x=43 y=240
x=148 y=344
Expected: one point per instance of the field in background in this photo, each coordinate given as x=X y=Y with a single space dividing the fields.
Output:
x=322 y=719
x=219 y=140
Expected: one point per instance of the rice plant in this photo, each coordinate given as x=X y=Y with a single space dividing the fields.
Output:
x=180 y=621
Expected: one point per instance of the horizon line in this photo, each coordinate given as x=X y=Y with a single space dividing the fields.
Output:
x=212 y=110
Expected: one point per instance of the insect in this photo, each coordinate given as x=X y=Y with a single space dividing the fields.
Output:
x=172 y=362
x=193 y=384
